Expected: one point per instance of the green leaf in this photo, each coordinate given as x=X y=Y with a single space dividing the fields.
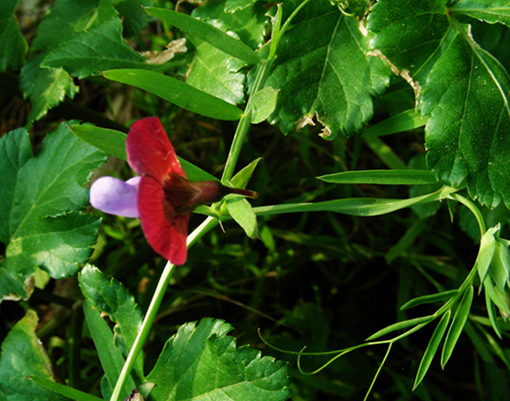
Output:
x=354 y=206
x=99 y=49
x=110 y=357
x=15 y=151
x=176 y=92
x=432 y=347
x=240 y=180
x=263 y=104
x=490 y=11
x=114 y=143
x=500 y=298
x=486 y=252
x=234 y=5
x=405 y=121
x=249 y=23
x=66 y=391
x=112 y=298
x=45 y=228
x=323 y=72
x=426 y=210
x=242 y=213
x=45 y=87
x=401 y=326
x=500 y=264
x=68 y=17
x=466 y=138
x=134 y=18
x=211 y=74
x=22 y=356
x=409 y=33
x=459 y=320
x=429 y=299
x=14 y=46
x=201 y=362
x=385 y=153
x=491 y=312
x=207 y=33
x=381 y=177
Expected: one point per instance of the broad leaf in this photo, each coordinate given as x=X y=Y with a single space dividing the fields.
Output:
x=202 y=363
x=99 y=49
x=234 y=5
x=210 y=73
x=22 y=356
x=42 y=225
x=45 y=87
x=263 y=104
x=460 y=87
x=242 y=213
x=112 y=298
x=324 y=74
x=68 y=17
x=249 y=23
x=14 y=46
x=132 y=14
x=490 y=11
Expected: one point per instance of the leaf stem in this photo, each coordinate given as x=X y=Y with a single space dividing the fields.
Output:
x=152 y=311
x=472 y=207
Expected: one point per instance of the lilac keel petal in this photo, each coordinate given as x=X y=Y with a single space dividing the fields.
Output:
x=114 y=196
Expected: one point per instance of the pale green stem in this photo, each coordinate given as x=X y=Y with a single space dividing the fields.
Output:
x=153 y=309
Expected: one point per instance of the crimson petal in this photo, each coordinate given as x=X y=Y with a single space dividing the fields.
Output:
x=149 y=151
x=168 y=238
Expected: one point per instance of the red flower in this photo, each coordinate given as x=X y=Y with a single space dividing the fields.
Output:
x=165 y=196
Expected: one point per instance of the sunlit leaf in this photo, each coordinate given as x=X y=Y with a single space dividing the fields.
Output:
x=491 y=11
x=429 y=299
x=323 y=72
x=176 y=92
x=45 y=226
x=201 y=362
x=242 y=213
x=381 y=177
x=22 y=356
x=400 y=326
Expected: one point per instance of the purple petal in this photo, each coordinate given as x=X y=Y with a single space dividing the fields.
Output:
x=114 y=196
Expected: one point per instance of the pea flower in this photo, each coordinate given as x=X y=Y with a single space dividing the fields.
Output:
x=161 y=196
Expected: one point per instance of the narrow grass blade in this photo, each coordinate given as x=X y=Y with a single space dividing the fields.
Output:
x=382 y=177
x=110 y=357
x=434 y=342
x=491 y=311
x=459 y=320
x=429 y=299
x=405 y=121
x=66 y=391
x=207 y=33
x=400 y=326
x=177 y=92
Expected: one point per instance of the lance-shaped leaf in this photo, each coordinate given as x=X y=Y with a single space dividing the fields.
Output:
x=207 y=33
x=177 y=92
x=42 y=225
x=324 y=74
x=401 y=326
x=113 y=142
x=459 y=320
x=22 y=356
x=14 y=46
x=428 y=299
x=381 y=177
x=434 y=342
x=201 y=362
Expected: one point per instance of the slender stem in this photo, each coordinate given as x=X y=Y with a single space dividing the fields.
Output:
x=472 y=207
x=203 y=228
